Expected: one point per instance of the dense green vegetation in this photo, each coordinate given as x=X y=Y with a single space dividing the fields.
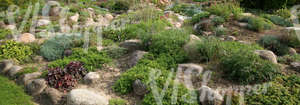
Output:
x=14 y=50
x=11 y=94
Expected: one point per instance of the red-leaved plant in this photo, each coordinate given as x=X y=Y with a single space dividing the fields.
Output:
x=65 y=79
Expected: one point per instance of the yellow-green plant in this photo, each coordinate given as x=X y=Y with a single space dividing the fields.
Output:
x=16 y=51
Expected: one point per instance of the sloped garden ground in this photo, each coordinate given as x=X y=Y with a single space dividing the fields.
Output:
x=157 y=52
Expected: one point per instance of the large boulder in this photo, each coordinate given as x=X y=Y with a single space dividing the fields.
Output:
x=26 y=38
x=50 y=96
x=14 y=70
x=139 y=88
x=35 y=87
x=91 y=78
x=5 y=65
x=27 y=78
x=86 y=97
x=209 y=96
x=135 y=57
x=267 y=55
x=188 y=73
x=132 y=45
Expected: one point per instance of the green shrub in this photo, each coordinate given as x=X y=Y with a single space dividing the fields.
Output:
x=218 y=20
x=246 y=67
x=257 y=23
x=4 y=33
x=286 y=88
x=117 y=6
x=287 y=59
x=221 y=31
x=209 y=49
x=225 y=10
x=264 y=4
x=27 y=70
x=133 y=31
x=16 y=51
x=273 y=43
x=54 y=48
x=212 y=49
x=35 y=47
x=141 y=71
x=168 y=41
x=92 y=59
x=284 y=12
x=198 y=17
x=117 y=101
x=186 y=9
x=278 y=20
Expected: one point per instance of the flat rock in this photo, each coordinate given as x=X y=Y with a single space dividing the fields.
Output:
x=86 y=97
x=35 y=87
x=27 y=78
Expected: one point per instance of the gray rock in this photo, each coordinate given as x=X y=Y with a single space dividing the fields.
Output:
x=132 y=45
x=35 y=87
x=292 y=51
x=188 y=73
x=209 y=96
x=67 y=53
x=230 y=38
x=296 y=66
x=267 y=55
x=139 y=88
x=86 y=97
x=5 y=65
x=91 y=77
x=241 y=24
x=50 y=96
x=135 y=57
x=14 y=70
x=27 y=78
